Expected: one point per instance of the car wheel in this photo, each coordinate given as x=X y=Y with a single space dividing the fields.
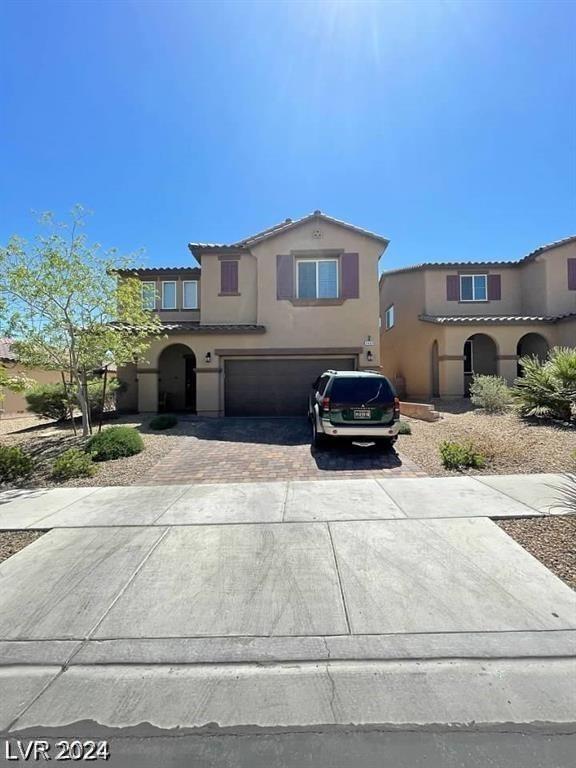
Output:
x=318 y=439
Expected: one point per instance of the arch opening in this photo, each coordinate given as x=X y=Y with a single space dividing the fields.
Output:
x=177 y=379
x=533 y=345
x=480 y=357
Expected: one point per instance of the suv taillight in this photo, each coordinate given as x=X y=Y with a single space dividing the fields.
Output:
x=396 y=408
x=326 y=403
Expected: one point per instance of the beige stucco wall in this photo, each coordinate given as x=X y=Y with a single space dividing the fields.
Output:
x=436 y=303
x=218 y=309
x=566 y=333
x=15 y=403
x=559 y=300
x=406 y=349
x=345 y=325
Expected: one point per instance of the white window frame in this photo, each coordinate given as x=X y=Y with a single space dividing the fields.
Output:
x=184 y=284
x=175 y=284
x=480 y=274
x=317 y=262
x=153 y=284
x=387 y=323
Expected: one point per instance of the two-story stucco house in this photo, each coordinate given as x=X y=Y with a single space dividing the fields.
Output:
x=441 y=323
x=249 y=331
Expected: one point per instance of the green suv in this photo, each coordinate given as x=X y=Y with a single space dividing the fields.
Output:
x=359 y=405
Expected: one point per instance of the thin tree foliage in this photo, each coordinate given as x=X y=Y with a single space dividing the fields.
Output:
x=63 y=301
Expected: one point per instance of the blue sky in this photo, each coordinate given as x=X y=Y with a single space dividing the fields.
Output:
x=449 y=127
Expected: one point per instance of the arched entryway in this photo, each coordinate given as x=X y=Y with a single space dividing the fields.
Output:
x=177 y=379
x=434 y=371
x=480 y=356
x=534 y=345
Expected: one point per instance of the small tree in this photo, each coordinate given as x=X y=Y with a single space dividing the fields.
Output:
x=64 y=300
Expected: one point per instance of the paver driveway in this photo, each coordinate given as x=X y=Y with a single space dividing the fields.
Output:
x=236 y=450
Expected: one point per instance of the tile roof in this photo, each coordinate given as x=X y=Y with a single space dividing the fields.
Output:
x=158 y=270
x=6 y=349
x=473 y=264
x=283 y=226
x=195 y=327
x=492 y=319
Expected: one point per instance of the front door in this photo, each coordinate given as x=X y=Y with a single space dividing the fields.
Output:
x=190 y=384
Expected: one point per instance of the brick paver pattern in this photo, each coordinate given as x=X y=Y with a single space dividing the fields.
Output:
x=252 y=450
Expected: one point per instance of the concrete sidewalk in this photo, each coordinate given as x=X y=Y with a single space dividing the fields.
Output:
x=367 y=604
x=295 y=501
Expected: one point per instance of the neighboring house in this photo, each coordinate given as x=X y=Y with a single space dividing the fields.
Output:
x=441 y=323
x=12 y=403
x=249 y=331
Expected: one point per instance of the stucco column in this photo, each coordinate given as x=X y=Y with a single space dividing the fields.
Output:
x=451 y=375
x=208 y=391
x=148 y=390
x=507 y=367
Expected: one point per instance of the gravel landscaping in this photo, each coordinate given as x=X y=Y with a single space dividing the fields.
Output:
x=13 y=541
x=550 y=539
x=511 y=444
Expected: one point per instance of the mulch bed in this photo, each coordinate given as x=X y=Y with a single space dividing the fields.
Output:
x=13 y=541
x=510 y=444
x=550 y=539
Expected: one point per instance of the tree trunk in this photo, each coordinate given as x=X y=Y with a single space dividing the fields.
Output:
x=83 y=403
x=69 y=401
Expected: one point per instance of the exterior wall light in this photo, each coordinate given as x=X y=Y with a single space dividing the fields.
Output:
x=208 y=357
x=369 y=356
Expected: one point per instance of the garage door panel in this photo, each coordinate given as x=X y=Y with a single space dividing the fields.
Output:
x=274 y=387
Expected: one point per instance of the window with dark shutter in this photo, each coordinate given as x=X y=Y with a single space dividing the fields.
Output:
x=572 y=274
x=452 y=288
x=229 y=277
x=284 y=276
x=494 y=288
x=350 y=276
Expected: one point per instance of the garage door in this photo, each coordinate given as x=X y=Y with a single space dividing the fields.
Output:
x=274 y=387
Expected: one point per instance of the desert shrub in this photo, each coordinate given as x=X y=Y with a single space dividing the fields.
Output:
x=50 y=399
x=548 y=389
x=164 y=421
x=461 y=455
x=490 y=392
x=405 y=428
x=15 y=464
x=73 y=463
x=114 y=443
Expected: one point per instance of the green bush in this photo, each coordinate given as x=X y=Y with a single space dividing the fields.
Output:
x=114 y=443
x=548 y=388
x=461 y=456
x=490 y=392
x=73 y=463
x=164 y=421
x=405 y=428
x=15 y=464
x=50 y=399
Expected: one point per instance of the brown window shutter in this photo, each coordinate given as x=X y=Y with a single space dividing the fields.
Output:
x=228 y=277
x=572 y=274
x=284 y=276
x=494 y=288
x=452 y=288
x=350 y=276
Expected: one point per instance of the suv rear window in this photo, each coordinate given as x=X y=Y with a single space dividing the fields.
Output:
x=361 y=390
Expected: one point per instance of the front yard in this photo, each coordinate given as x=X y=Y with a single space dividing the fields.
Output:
x=510 y=444
x=237 y=450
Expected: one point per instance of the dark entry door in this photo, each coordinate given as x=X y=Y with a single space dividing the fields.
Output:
x=190 y=384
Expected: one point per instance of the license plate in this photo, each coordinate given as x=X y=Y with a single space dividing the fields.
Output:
x=362 y=413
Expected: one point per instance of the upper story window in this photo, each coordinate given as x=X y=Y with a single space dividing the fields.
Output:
x=473 y=287
x=149 y=295
x=169 y=294
x=317 y=279
x=229 y=278
x=190 y=294
x=389 y=317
